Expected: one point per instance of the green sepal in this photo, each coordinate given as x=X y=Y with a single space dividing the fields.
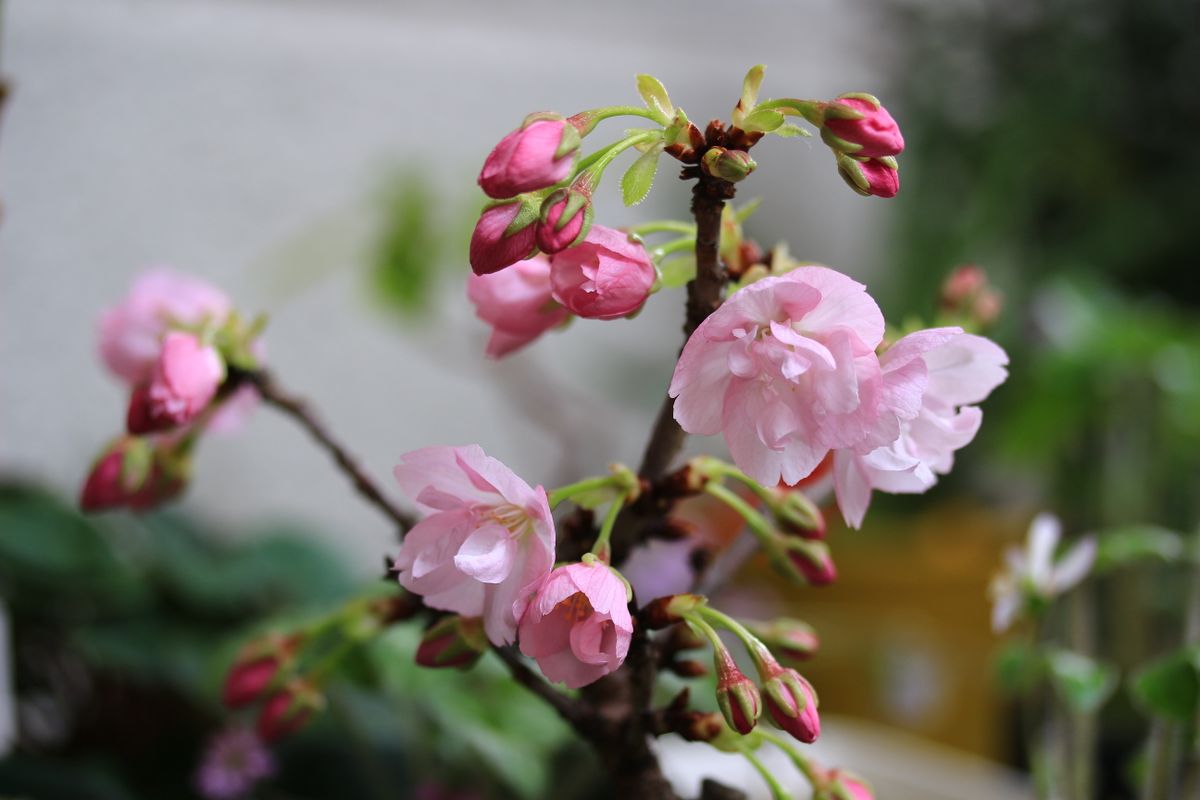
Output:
x=870 y=98
x=529 y=214
x=637 y=180
x=656 y=98
x=569 y=142
x=837 y=143
x=137 y=460
x=790 y=130
x=540 y=116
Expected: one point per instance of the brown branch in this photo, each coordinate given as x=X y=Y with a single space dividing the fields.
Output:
x=704 y=297
x=567 y=707
x=297 y=408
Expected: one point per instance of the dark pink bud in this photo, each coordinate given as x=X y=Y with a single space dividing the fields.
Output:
x=787 y=638
x=737 y=695
x=866 y=130
x=792 y=703
x=104 y=487
x=536 y=155
x=504 y=235
x=566 y=219
x=133 y=472
x=870 y=176
x=811 y=559
x=841 y=785
x=288 y=710
x=257 y=668
x=452 y=642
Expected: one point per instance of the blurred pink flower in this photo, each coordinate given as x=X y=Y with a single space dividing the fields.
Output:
x=931 y=379
x=529 y=159
x=517 y=303
x=131 y=332
x=184 y=381
x=577 y=626
x=235 y=761
x=487 y=537
x=606 y=276
x=786 y=369
x=1035 y=575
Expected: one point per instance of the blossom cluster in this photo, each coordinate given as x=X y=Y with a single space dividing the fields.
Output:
x=172 y=341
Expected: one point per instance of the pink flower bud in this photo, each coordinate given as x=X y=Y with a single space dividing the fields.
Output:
x=867 y=131
x=876 y=177
x=104 y=487
x=565 y=221
x=737 y=695
x=536 y=155
x=729 y=165
x=257 y=667
x=967 y=293
x=288 y=710
x=452 y=641
x=792 y=703
x=186 y=377
x=504 y=235
x=811 y=559
x=798 y=515
x=787 y=638
x=605 y=277
x=841 y=785
x=133 y=472
x=517 y=303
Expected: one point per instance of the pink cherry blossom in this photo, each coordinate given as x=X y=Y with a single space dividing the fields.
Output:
x=604 y=277
x=487 y=537
x=185 y=380
x=553 y=232
x=577 y=626
x=786 y=370
x=932 y=379
x=494 y=246
x=517 y=303
x=130 y=333
x=525 y=159
x=876 y=134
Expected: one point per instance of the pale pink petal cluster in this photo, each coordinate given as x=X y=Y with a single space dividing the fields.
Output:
x=786 y=370
x=131 y=332
x=486 y=540
x=1035 y=573
x=932 y=380
x=185 y=379
x=517 y=302
x=577 y=626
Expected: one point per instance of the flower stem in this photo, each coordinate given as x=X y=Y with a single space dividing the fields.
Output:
x=763 y=659
x=579 y=487
x=601 y=548
x=586 y=121
x=802 y=762
x=663 y=226
x=777 y=790
x=591 y=169
x=757 y=523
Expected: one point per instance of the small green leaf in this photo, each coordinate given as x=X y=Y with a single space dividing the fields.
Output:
x=789 y=131
x=677 y=272
x=1170 y=686
x=1083 y=683
x=1019 y=668
x=656 y=97
x=764 y=119
x=1117 y=548
x=744 y=212
x=638 y=179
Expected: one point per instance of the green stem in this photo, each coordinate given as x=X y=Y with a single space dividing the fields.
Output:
x=777 y=790
x=809 y=109
x=799 y=759
x=758 y=651
x=758 y=524
x=726 y=470
x=601 y=549
x=664 y=226
x=592 y=117
x=579 y=487
x=662 y=251
x=589 y=171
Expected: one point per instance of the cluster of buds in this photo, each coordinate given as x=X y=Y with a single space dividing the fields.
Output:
x=176 y=342
x=788 y=699
x=265 y=671
x=865 y=140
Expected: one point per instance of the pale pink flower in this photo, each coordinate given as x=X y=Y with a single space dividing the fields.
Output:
x=786 y=369
x=130 y=333
x=529 y=158
x=184 y=381
x=605 y=276
x=873 y=135
x=516 y=302
x=501 y=239
x=486 y=540
x=577 y=626
x=932 y=379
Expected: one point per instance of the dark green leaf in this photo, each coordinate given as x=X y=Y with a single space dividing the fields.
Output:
x=1019 y=668
x=1117 y=548
x=1170 y=687
x=1083 y=683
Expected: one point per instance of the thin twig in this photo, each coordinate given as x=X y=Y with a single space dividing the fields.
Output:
x=296 y=408
x=567 y=707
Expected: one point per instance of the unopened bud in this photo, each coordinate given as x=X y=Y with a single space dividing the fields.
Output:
x=666 y=611
x=700 y=726
x=797 y=514
x=258 y=666
x=792 y=703
x=787 y=638
x=538 y=154
x=564 y=220
x=452 y=641
x=135 y=472
x=288 y=710
x=811 y=560
x=505 y=234
x=841 y=785
x=878 y=177
x=737 y=695
x=729 y=165
x=859 y=125
x=967 y=294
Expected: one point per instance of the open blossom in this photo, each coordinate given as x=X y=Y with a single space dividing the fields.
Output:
x=131 y=332
x=185 y=379
x=786 y=370
x=532 y=157
x=931 y=381
x=486 y=540
x=605 y=276
x=517 y=303
x=577 y=626
x=1034 y=575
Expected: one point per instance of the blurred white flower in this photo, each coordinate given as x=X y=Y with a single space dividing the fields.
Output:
x=1034 y=576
